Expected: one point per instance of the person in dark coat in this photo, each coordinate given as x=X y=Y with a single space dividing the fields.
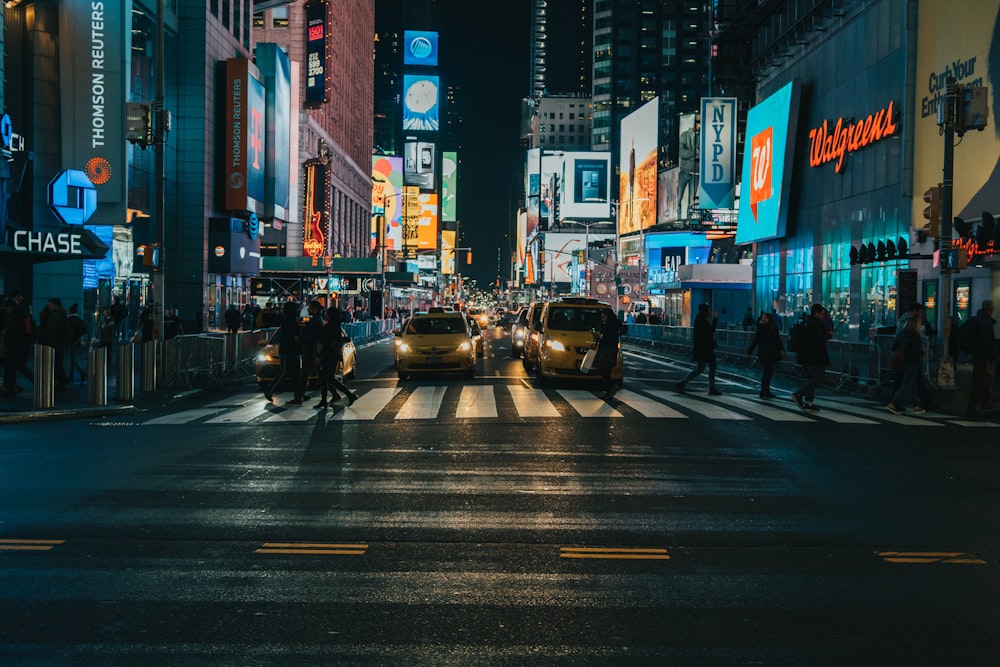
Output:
x=984 y=359
x=770 y=350
x=813 y=356
x=912 y=349
x=54 y=332
x=309 y=338
x=17 y=340
x=289 y=349
x=330 y=355
x=704 y=349
x=233 y=318
x=608 y=337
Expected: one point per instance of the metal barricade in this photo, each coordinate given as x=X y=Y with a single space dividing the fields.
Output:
x=45 y=368
x=97 y=370
x=125 y=383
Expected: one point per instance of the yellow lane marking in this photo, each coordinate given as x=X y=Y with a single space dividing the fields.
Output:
x=617 y=553
x=312 y=548
x=952 y=557
x=28 y=545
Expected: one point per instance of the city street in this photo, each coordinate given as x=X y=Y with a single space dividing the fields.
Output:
x=444 y=521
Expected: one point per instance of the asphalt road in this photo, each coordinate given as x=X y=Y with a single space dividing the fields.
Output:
x=442 y=521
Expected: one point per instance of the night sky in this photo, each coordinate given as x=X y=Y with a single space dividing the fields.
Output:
x=486 y=53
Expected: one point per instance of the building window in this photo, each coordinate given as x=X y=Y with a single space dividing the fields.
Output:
x=258 y=19
x=279 y=17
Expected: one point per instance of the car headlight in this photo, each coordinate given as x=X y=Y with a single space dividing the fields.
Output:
x=465 y=346
x=555 y=345
x=402 y=347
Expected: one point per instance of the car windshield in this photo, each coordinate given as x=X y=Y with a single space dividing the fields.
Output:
x=436 y=325
x=574 y=319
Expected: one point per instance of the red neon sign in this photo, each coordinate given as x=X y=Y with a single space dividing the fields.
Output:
x=833 y=145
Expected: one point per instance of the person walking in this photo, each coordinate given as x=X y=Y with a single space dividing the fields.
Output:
x=289 y=349
x=77 y=329
x=911 y=346
x=331 y=350
x=233 y=318
x=54 y=332
x=17 y=338
x=119 y=312
x=309 y=338
x=704 y=349
x=810 y=348
x=982 y=346
x=770 y=350
x=608 y=338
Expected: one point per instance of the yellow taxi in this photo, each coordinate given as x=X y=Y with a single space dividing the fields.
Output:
x=529 y=355
x=481 y=316
x=437 y=341
x=566 y=332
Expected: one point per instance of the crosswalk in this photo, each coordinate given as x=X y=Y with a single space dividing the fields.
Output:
x=519 y=400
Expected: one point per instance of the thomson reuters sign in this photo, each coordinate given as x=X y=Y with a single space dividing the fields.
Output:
x=244 y=136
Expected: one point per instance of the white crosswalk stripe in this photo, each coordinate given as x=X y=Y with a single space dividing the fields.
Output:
x=492 y=401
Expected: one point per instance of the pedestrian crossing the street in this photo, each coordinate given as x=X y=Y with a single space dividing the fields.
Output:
x=507 y=401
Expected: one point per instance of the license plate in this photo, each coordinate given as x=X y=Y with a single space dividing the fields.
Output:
x=433 y=360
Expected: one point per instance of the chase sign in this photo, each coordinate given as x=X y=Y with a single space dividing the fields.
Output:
x=72 y=197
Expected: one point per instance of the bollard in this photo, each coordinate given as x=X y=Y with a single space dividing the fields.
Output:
x=149 y=349
x=125 y=384
x=45 y=369
x=97 y=369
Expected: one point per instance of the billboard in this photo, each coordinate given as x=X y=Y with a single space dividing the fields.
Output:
x=387 y=199
x=447 y=252
x=974 y=60
x=717 y=178
x=94 y=44
x=637 y=164
x=317 y=37
x=767 y=166
x=276 y=68
x=427 y=221
x=418 y=159
x=449 y=186
x=532 y=180
x=420 y=102
x=315 y=220
x=586 y=186
x=244 y=137
x=420 y=47
x=666 y=194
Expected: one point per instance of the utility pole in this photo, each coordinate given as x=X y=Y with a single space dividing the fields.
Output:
x=946 y=369
x=159 y=285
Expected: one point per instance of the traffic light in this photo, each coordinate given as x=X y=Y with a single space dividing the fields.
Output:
x=932 y=213
x=963 y=228
x=984 y=233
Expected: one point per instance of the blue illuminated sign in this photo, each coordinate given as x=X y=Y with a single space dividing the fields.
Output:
x=420 y=48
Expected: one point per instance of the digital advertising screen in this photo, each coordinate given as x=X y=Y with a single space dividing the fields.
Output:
x=427 y=221
x=387 y=200
x=637 y=163
x=586 y=189
x=244 y=136
x=420 y=102
x=418 y=161
x=532 y=187
x=767 y=166
x=275 y=68
x=420 y=47
x=449 y=186
x=317 y=36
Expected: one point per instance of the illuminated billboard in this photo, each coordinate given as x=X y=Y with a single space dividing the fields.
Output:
x=531 y=187
x=767 y=161
x=93 y=88
x=420 y=47
x=418 y=159
x=449 y=186
x=666 y=198
x=427 y=221
x=317 y=37
x=962 y=41
x=244 y=137
x=315 y=221
x=387 y=199
x=586 y=186
x=637 y=164
x=717 y=178
x=420 y=102
x=447 y=252
x=275 y=67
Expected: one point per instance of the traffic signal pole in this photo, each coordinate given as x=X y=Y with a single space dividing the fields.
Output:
x=946 y=368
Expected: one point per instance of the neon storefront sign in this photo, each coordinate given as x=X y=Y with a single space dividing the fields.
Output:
x=832 y=144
